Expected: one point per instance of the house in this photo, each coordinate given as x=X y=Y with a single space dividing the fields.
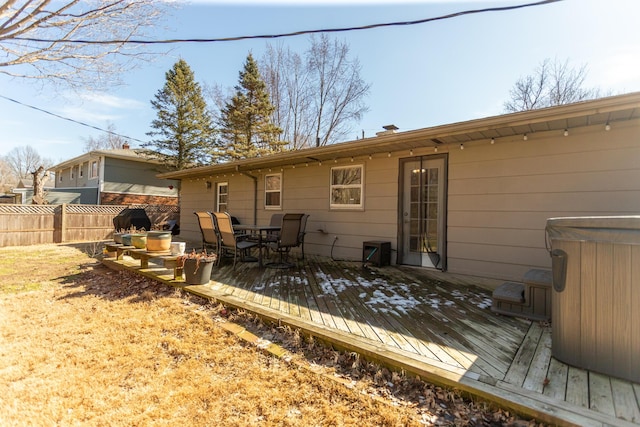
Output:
x=112 y=177
x=470 y=199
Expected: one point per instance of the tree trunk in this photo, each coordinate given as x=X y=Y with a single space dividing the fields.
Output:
x=40 y=177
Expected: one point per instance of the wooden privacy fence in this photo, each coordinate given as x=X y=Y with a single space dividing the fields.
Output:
x=23 y=225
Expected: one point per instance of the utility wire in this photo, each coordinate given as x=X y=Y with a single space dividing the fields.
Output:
x=295 y=33
x=70 y=120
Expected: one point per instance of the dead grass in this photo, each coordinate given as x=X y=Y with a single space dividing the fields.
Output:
x=83 y=345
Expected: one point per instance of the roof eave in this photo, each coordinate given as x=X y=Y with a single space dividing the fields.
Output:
x=426 y=137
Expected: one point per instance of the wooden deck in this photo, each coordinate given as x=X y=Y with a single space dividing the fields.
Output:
x=443 y=332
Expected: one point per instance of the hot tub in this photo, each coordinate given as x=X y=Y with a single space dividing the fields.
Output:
x=596 y=293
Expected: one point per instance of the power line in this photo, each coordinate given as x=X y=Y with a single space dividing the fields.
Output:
x=70 y=120
x=291 y=34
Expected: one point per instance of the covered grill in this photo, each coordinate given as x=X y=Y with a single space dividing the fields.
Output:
x=129 y=217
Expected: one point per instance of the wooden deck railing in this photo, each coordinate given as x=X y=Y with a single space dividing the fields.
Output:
x=24 y=225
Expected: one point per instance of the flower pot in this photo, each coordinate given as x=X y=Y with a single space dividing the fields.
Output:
x=117 y=237
x=139 y=241
x=158 y=241
x=178 y=248
x=197 y=271
x=126 y=239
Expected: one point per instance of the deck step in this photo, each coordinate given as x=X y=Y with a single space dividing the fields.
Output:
x=531 y=299
x=538 y=277
x=510 y=292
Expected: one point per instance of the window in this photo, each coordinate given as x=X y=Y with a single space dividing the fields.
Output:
x=59 y=175
x=273 y=191
x=222 y=195
x=346 y=187
x=81 y=170
x=73 y=172
x=93 y=172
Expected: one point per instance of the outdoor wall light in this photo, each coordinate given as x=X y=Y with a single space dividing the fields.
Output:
x=566 y=132
x=411 y=152
x=389 y=155
x=462 y=146
x=493 y=141
x=435 y=149
x=525 y=137
x=607 y=127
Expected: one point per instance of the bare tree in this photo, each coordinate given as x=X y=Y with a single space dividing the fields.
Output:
x=319 y=97
x=22 y=161
x=55 y=41
x=287 y=78
x=552 y=83
x=8 y=178
x=109 y=140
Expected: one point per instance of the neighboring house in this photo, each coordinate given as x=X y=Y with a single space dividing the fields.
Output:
x=469 y=198
x=112 y=177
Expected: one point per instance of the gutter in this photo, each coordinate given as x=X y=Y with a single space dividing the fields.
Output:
x=255 y=193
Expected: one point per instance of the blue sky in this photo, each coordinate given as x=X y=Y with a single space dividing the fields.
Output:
x=423 y=75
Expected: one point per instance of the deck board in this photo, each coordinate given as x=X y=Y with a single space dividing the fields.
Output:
x=404 y=312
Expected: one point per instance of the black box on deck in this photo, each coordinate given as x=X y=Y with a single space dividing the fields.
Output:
x=376 y=252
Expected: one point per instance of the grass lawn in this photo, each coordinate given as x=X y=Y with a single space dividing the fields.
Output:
x=84 y=345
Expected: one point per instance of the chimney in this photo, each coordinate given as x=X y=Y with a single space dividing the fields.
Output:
x=126 y=146
x=388 y=130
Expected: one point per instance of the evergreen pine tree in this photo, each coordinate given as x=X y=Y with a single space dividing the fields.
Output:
x=183 y=130
x=246 y=127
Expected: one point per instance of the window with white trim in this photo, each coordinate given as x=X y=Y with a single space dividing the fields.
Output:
x=347 y=187
x=273 y=191
x=93 y=169
x=59 y=175
x=81 y=170
x=222 y=196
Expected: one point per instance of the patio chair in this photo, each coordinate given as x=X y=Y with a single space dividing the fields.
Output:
x=272 y=236
x=287 y=239
x=230 y=241
x=210 y=234
x=303 y=227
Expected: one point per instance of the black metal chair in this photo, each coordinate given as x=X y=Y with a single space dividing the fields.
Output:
x=287 y=239
x=231 y=241
x=303 y=227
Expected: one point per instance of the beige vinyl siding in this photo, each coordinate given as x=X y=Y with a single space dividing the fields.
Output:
x=306 y=189
x=501 y=195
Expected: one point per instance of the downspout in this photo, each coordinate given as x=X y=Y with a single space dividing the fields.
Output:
x=255 y=193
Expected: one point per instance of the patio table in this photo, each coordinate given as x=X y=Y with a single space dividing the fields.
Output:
x=259 y=231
